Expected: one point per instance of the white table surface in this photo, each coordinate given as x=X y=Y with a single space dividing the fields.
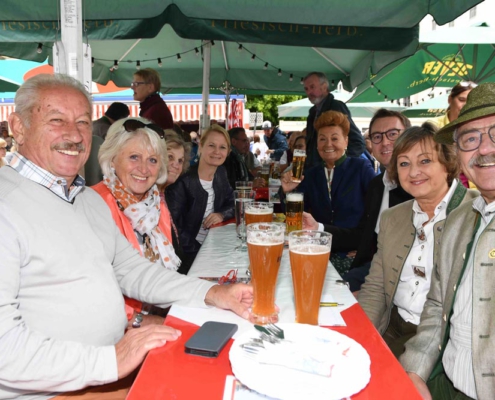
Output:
x=217 y=257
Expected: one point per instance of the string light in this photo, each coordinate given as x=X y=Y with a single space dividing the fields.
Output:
x=39 y=50
x=115 y=65
x=240 y=48
x=372 y=85
x=333 y=82
x=386 y=98
x=138 y=65
x=179 y=59
x=212 y=43
x=92 y=61
x=291 y=77
x=265 y=66
x=160 y=62
x=253 y=57
x=379 y=91
x=279 y=72
x=301 y=81
x=196 y=51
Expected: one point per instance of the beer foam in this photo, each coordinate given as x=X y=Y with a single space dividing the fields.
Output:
x=295 y=197
x=259 y=211
x=266 y=241
x=299 y=153
x=309 y=249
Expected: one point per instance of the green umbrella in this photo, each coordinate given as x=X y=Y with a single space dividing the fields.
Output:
x=444 y=58
x=7 y=85
x=430 y=108
x=300 y=108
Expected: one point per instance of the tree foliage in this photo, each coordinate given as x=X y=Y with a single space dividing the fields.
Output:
x=267 y=104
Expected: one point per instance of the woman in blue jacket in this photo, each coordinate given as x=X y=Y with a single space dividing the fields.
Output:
x=334 y=191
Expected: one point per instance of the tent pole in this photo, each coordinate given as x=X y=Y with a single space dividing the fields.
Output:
x=205 y=118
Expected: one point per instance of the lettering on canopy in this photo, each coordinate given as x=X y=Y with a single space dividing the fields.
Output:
x=450 y=70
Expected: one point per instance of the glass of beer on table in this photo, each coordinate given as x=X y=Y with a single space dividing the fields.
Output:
x=259 y=212
x=242 y=198
x=265 y=246
x=298 y=160
x=294 y=207
x=243 y=185
x=309 y=252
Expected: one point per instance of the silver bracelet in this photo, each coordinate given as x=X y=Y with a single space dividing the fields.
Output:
x=137 y=320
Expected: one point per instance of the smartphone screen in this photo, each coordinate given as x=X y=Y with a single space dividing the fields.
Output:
x=210 y=339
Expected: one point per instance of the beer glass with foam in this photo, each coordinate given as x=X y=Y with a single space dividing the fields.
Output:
x=243 y=185
x=298 y=160
x=259 y=212
x=265 y=246
x=309 y=252
x=294 y=207
x=242 y=197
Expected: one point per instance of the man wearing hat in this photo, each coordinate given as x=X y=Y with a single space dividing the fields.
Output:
x=453 y=350
x=275 y=140
x=115 y=112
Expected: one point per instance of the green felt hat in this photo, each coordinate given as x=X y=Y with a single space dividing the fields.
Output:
x=480 y=103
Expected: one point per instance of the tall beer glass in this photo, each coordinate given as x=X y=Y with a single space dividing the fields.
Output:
x=294 y=207
x=298 y=160
x=309 y=252
x=259 y=212
x=243 y=185
x=242 y=197
x=265 y=245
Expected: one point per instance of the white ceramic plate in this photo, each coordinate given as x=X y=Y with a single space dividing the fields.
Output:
x=350 y=373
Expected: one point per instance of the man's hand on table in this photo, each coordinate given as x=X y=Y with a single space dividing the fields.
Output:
x=420 y=385
x=212 y=219
x=136 y=343
x=237 y=297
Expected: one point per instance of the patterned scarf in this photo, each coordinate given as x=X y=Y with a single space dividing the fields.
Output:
x=144 y=217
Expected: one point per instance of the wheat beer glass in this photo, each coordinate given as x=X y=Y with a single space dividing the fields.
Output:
x=265 y=245
x=243 y=185
x=294 y=207
x=259 y=212
x=309 y=252
x=242 y=197
x=298 y=160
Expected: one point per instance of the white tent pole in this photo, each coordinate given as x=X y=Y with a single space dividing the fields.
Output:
x=205 y=117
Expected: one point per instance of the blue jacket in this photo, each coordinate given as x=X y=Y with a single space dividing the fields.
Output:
x=278 y=142
x=349 y=186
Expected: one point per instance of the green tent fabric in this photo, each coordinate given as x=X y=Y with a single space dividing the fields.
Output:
x=429 y=108
x=364 y=13
x=7 y=85
x=444 y=58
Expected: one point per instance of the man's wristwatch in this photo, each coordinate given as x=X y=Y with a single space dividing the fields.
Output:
x=137 y=320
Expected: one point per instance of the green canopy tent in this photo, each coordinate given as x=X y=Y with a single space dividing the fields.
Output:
x=430 y=108
x=300 y=108
x=444 y=58
x=8 y=85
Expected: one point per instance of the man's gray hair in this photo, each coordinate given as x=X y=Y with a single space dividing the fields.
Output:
x=321 y=76
x=117 y=137
x=27 y=96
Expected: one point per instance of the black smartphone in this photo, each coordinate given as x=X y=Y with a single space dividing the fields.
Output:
x=210 y=339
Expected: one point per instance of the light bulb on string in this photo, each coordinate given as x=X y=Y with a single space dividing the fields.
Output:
x=115 y=65
x=253 y=57
x=138 y=65
x=265 y=66
x=279 y=72
x=92 y=61
x=39 y=49
x=160 y=64
x=239 y=48
x=179 y=58
x=291 y=77
x=196 y=51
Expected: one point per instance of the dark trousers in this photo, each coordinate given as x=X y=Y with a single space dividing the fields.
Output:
x=356 y=276
x=398 y=332
x=441 y=388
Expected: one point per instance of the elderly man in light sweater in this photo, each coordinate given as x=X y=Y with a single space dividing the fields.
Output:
x=64 y=264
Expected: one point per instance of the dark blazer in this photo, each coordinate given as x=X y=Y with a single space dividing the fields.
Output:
x=356 y=142
x=349 y=187
x=236 y=168
x=186 y=200
x=363 y=237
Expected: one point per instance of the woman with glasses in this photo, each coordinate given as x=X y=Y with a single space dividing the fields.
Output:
x=146 y=87
x=202 y=197
x=395 y=290
x=134 y=161
x=334 y=191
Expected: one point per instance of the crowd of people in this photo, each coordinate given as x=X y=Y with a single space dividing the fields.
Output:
x=87 y=262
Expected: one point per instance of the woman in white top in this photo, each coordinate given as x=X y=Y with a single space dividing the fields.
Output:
x=202 y=197
x=395 y=290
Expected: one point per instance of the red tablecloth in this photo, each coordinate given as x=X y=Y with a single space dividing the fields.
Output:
x=169 y=373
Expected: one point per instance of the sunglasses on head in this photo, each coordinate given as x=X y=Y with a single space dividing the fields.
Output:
x=132 y=125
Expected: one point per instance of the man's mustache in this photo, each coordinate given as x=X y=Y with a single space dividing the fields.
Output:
x=481 y=160
x=69 y=146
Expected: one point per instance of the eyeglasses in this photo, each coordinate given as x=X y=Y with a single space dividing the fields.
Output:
x=391 y=134
x=135 y=84
x=132 y=125
x=471 y=140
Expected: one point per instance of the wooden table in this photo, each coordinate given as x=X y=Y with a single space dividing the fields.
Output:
x=170 y=373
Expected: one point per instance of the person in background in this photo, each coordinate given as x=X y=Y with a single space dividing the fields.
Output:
x=334 y=191
x=259 y=148
x=194 y=158
x=275 y=140
x=65 y=263
x=457 y=99
x=202 y=197
x=115 y=112
x=146 y=87
x=316 y=87
x=368 y=153
x=286 y=158
x=395 y=290
x=3 y=152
